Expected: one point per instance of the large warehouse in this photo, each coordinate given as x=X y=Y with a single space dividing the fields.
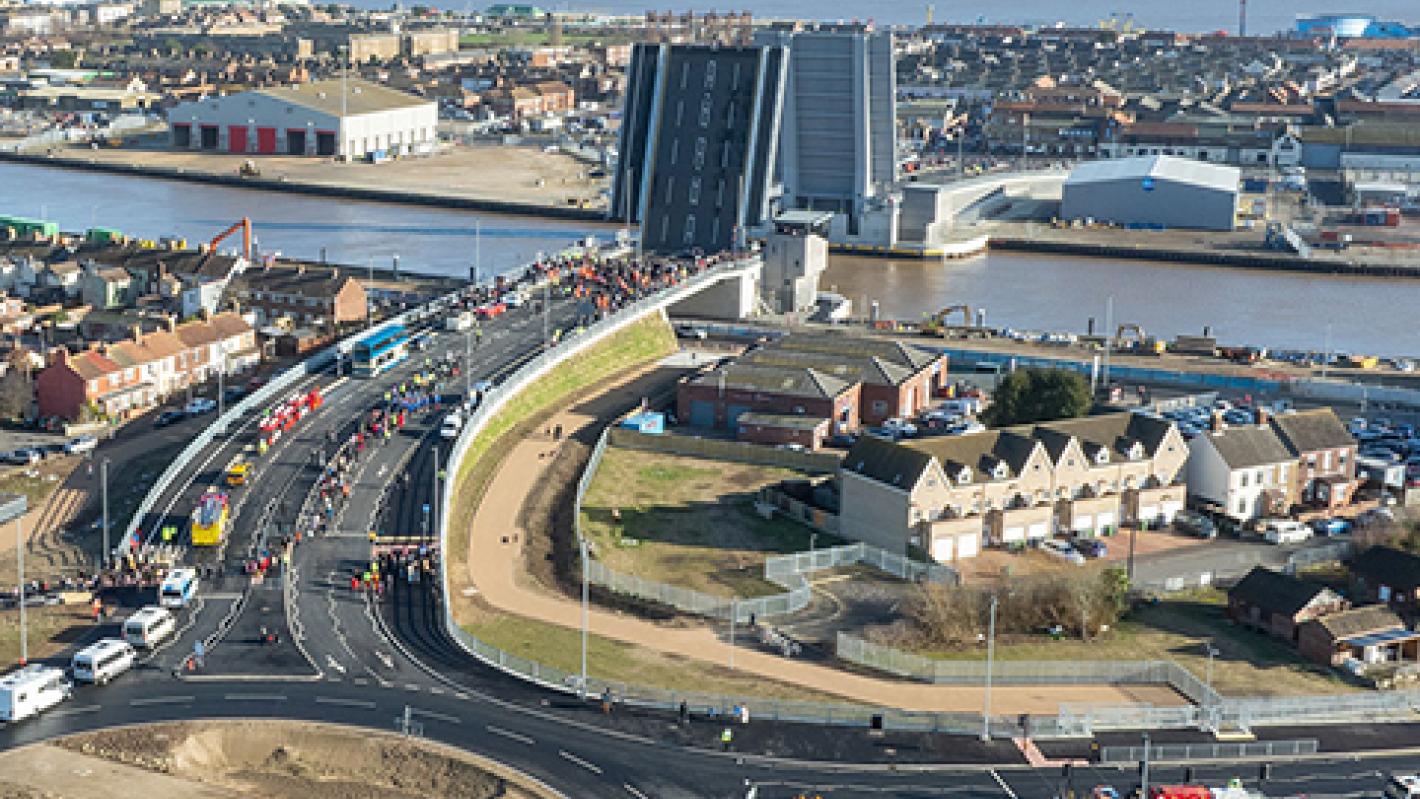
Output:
x=351 y=118
x=1153 y=191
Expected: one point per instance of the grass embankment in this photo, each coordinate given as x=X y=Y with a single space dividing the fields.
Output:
x=688 y=521
x=39 y=482
x=609 y=659
x=1177 y=628
x=639 y=342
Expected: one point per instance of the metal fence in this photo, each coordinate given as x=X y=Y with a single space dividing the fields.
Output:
x=1206 y=751
x=1322 y=553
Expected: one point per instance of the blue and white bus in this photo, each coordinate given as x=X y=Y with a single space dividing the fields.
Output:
x=377 y=353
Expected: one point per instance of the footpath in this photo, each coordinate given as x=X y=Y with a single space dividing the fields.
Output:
x=496 y=570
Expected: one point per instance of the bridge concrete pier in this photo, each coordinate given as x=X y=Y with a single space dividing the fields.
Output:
x=735 y=295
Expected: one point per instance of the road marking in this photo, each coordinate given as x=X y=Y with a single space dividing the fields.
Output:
x=74 y=711
x=161 y=700
x=225 y=595
x=385 y=659
x=461 y=695
x=334 y=664
x=335 y=700
x=631 y=789
x=409 y=686
x=361 y=681
x=592 y=767
x=436 y=715
x=516 y=736
x=254 y=697
x=1002 y=783
x=434 y=689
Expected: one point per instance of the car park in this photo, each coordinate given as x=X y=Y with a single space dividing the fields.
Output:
x=1062 y=550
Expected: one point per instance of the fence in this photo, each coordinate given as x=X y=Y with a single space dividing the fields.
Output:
x=738 y=451
x=1113 y=755
x=798 y=510
x=1323 y=553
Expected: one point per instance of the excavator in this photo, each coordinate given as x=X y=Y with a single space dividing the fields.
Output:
x=244 y=225
x=1131 y=337
x=936 y=324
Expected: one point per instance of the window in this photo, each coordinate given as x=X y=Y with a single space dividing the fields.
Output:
x=1242 y=479
x=698 y=162
x=710 y=68
x=880 y=407
x=706 y=107
x=693 y=195
x=689 y=236
x=1242 y=506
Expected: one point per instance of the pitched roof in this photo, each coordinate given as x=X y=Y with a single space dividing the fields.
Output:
x=195 y=334
x=872 y=370
x=229 y=324
x=1160 y=167
x=1359 y=621
x=784 y=420
x=886 y=462
x=907 y=355
x=789 y=381
x=1248 y=446
x=1275 y=592
x=91 y=364
x=1309 y=431
x=360 y=97
x=1398 y=569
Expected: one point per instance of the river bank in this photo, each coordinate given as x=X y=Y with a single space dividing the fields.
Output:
x=1273 y=261
x=292 y=175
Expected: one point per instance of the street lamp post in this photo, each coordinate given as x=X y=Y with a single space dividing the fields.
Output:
x=582 y=545
x=990 y=660
x=106 y=555
x=20 y=554
x=1212 y=652
x=1144 y=769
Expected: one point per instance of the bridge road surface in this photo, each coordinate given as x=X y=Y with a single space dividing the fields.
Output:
x=582 y=759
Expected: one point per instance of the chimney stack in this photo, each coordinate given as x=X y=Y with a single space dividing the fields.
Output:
x=1263 y=417
x=171 y=322
x=1216 y=425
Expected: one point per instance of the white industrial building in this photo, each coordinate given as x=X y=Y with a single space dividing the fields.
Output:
x=347 y=118
x=1156 y=191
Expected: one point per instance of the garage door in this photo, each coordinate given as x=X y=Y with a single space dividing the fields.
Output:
x=266 y=140
x=1105 y=520
x=942 y=549
x=182 y=135
x=1013 y=534
x=295 y=141
x=236 y=138
x=702 y=413
x=1149 y=513
x=1168 y=510
x=1083 y=523
x=1038 y=530
x=325 y=142
x=968 y=546
x=734 y=412
x=209 y=136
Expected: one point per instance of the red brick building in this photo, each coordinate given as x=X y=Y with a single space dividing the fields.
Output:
x=718 y=398
x=777 y=428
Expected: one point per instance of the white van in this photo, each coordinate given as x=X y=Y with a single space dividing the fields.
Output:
x=1403 y=786
x=102 y=660
x=149 y=626
x=178 y=588
x=30 y=690
x=1285 y=531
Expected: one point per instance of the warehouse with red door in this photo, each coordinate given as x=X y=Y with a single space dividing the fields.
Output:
x=350 y=119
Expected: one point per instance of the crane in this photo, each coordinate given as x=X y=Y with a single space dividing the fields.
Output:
x=244 y=225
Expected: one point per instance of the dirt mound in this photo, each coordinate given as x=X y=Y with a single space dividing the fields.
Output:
x=282 y=760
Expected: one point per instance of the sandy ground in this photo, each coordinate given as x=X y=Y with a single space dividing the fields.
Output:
x=268 y=759
x=507 y=174
x=495 y=568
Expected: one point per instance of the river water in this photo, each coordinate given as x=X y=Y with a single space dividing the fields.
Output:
x=1274 y=309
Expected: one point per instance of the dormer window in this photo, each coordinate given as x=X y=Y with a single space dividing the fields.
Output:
x=1000 y=472
x=1102 y=457
x=1136 y=451
x=964 y=476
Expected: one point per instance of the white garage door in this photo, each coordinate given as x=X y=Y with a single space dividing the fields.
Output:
x=968 y=546
x=1083 y=523
x=1013 y=534
x=942 y=549
x=1169 y=510
x=1104 y=520
x=1149 y=513
x=1038 y=530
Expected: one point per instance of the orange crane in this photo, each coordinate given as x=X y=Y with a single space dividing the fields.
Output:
x=244 y=225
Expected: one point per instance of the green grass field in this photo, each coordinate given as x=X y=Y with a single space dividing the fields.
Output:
x=1247 y=664
x=688 y=522
x=51 y=629
x=636 y=344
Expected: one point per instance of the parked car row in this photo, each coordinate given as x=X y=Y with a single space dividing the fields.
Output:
x=28 y=456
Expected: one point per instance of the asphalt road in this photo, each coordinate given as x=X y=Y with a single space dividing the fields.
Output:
x=350 y=658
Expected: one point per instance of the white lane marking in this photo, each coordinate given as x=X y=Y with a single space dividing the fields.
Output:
x=334 y=664
x=409 y=686
x=388 y=661
x=434 y=689
x=436 y=715
x=592 y=767
x=161 y=700
x=1002 y=783
x=361 y=681
x=632 y=789
x=516 y=736
x=74 y=711
x=335 y=700
x=254 y=697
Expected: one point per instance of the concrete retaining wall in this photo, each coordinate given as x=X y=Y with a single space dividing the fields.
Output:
x=720 y=449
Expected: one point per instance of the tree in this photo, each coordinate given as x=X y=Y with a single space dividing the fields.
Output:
x=1038 y=395
x=15 y=394
x=64 y=59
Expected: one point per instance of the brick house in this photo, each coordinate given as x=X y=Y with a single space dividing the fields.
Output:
x=309 y=296
x=1326 y=455
x=1278 y=604
x=1370 y=635
x=778 y=428
x=717 y=399
x=1010 y=486
x=1389 y=576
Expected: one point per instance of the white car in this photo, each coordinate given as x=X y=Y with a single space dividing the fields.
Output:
x=453 y=423
x=80 y=445
x=900 y=427
x=1062 y=550
x=1285 y=531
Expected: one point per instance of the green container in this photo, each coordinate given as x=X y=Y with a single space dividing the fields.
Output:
x=103 y=235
